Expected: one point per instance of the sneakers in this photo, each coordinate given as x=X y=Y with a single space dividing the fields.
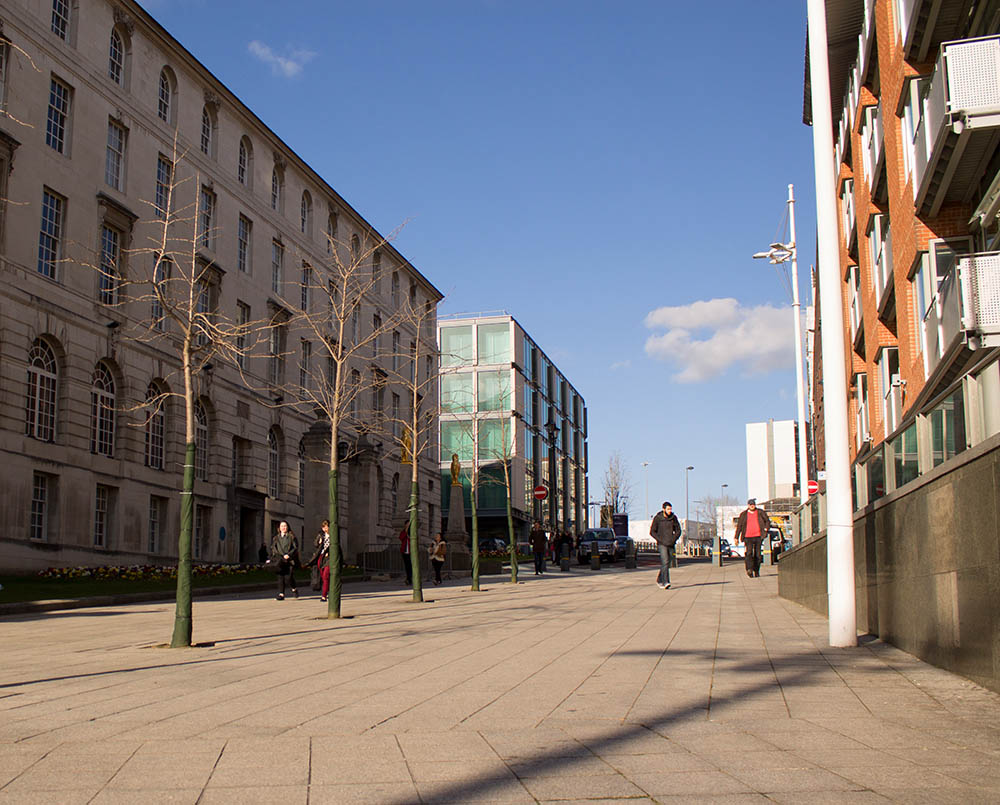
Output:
x=666 y=586
x=749 y=574
x=322 y=598
x=281 y=597
x=295 y=592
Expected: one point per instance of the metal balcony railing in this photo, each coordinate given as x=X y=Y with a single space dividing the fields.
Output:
x=961 y=110
x=872 y=138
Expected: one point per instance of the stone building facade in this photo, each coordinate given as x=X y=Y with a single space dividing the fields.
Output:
x=101 y=112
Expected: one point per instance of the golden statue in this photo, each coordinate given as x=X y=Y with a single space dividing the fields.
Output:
x=407 y=451
x=456 y=468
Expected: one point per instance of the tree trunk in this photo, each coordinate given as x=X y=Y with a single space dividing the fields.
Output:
x=418 y=594
x=182 y=614
x=510 y=529
x=475 y=536
x=336 y=580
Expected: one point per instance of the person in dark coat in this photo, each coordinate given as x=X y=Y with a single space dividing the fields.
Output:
x=539 y=543
x=751 y=528
x=666 y=530
x=285 y=555
x=404 y=551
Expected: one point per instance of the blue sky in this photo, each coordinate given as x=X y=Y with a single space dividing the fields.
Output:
x=580 y=164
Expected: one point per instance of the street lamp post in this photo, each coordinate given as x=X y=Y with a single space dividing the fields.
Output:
x=720 y=527
x=645 y=474
x=782 y=253
x=552 y=429
x=687 y=514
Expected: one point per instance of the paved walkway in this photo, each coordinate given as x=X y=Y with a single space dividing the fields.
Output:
x=587 y=686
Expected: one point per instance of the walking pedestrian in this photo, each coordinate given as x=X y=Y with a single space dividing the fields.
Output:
x=751 y=528
x=539 y=544
x=404 y=550
x=666 y=530
x=285 y=555
x=437 y=551
x=321 y=558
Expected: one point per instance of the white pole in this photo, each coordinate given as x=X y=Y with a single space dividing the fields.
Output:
x=839 y=529
x=799 y=380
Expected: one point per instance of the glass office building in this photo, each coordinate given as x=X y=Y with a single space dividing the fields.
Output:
x=499 y=393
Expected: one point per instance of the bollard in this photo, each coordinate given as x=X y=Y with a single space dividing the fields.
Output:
x=630 y=563
x=595 y=557
x=564 y=559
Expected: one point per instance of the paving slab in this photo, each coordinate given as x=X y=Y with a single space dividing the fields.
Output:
x=567 y=687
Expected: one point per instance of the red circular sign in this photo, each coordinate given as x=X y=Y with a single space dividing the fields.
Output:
x=813 y=486
x=541 y=492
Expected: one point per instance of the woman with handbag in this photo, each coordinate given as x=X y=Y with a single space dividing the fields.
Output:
x=284 y=556
x=321 y=558
x=437 y=550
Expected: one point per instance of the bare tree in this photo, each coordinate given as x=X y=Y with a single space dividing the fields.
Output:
x=415 y=430
x=169 y=300
x=617 y=485
x=342 y=379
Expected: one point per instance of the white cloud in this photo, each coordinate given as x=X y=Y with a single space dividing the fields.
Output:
x=289 y=65
x=621 y=365
x=706 y=338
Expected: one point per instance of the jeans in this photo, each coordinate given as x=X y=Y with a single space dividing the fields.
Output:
x=407 y=567
x=666 y=555
x=437 y=564
x=754 y=556
x=539 y=561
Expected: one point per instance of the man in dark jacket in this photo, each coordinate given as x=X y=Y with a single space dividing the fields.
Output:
x=539 y=544
x=666 y=530
x=751 y=528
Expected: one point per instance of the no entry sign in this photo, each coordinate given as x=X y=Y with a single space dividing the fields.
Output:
x=812 y=486
x=541 y=492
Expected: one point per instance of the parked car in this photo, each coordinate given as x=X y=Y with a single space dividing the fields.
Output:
x=726 y=549
x=610 y=546
x=493 y=544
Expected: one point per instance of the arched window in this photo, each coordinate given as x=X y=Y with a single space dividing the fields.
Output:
x=306 y=213
x=116 y=58
x=244 y=167
x=207 y=131
x=277 y=188
x=331 y=232
x=40 y=407
x=355 y=250
x=200 y=442
x=273 y=464
x=155 y=427
x=165 y=97
x=102 y=412
x=302 y=472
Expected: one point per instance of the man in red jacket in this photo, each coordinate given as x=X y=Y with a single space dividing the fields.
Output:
x=751 y=528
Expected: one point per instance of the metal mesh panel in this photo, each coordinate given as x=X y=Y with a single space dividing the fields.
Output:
x=984 y=284
x=974 y=74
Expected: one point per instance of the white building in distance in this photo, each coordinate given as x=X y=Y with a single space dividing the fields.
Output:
x=772 y=470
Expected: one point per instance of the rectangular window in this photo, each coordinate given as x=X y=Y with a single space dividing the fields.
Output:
x=880 y=242
x=305 y=358
x=157 y=510
x=456 y=345
x=164 y=176
x=395 y=415
x=39 y=526
x=355 y=325
x=331 y=372
x=307 y=274
x=206 y=218
x=861 y=429
x=202 y=530
x=494 y=343
x=242 y=323
x=494 y=439
x=854 y=294
x=244 y=228
x=456 y=392
x=60 y=18
x=395 y=351
x=494 y=391
x=913 y=91
x=456 y=437
x=376 y=332
x=4 y=61
x=276 y=365
x=904 y=456
x=110 y=276
x=58 y=118
x=277 y=261
x=50 y=234
x=102 y=514
x=114 y=163
x=161 y=273
x=203 y=308
x=887 y=365
x=947 y=422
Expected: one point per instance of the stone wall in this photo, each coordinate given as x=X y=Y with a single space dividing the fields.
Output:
x=927 y=567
